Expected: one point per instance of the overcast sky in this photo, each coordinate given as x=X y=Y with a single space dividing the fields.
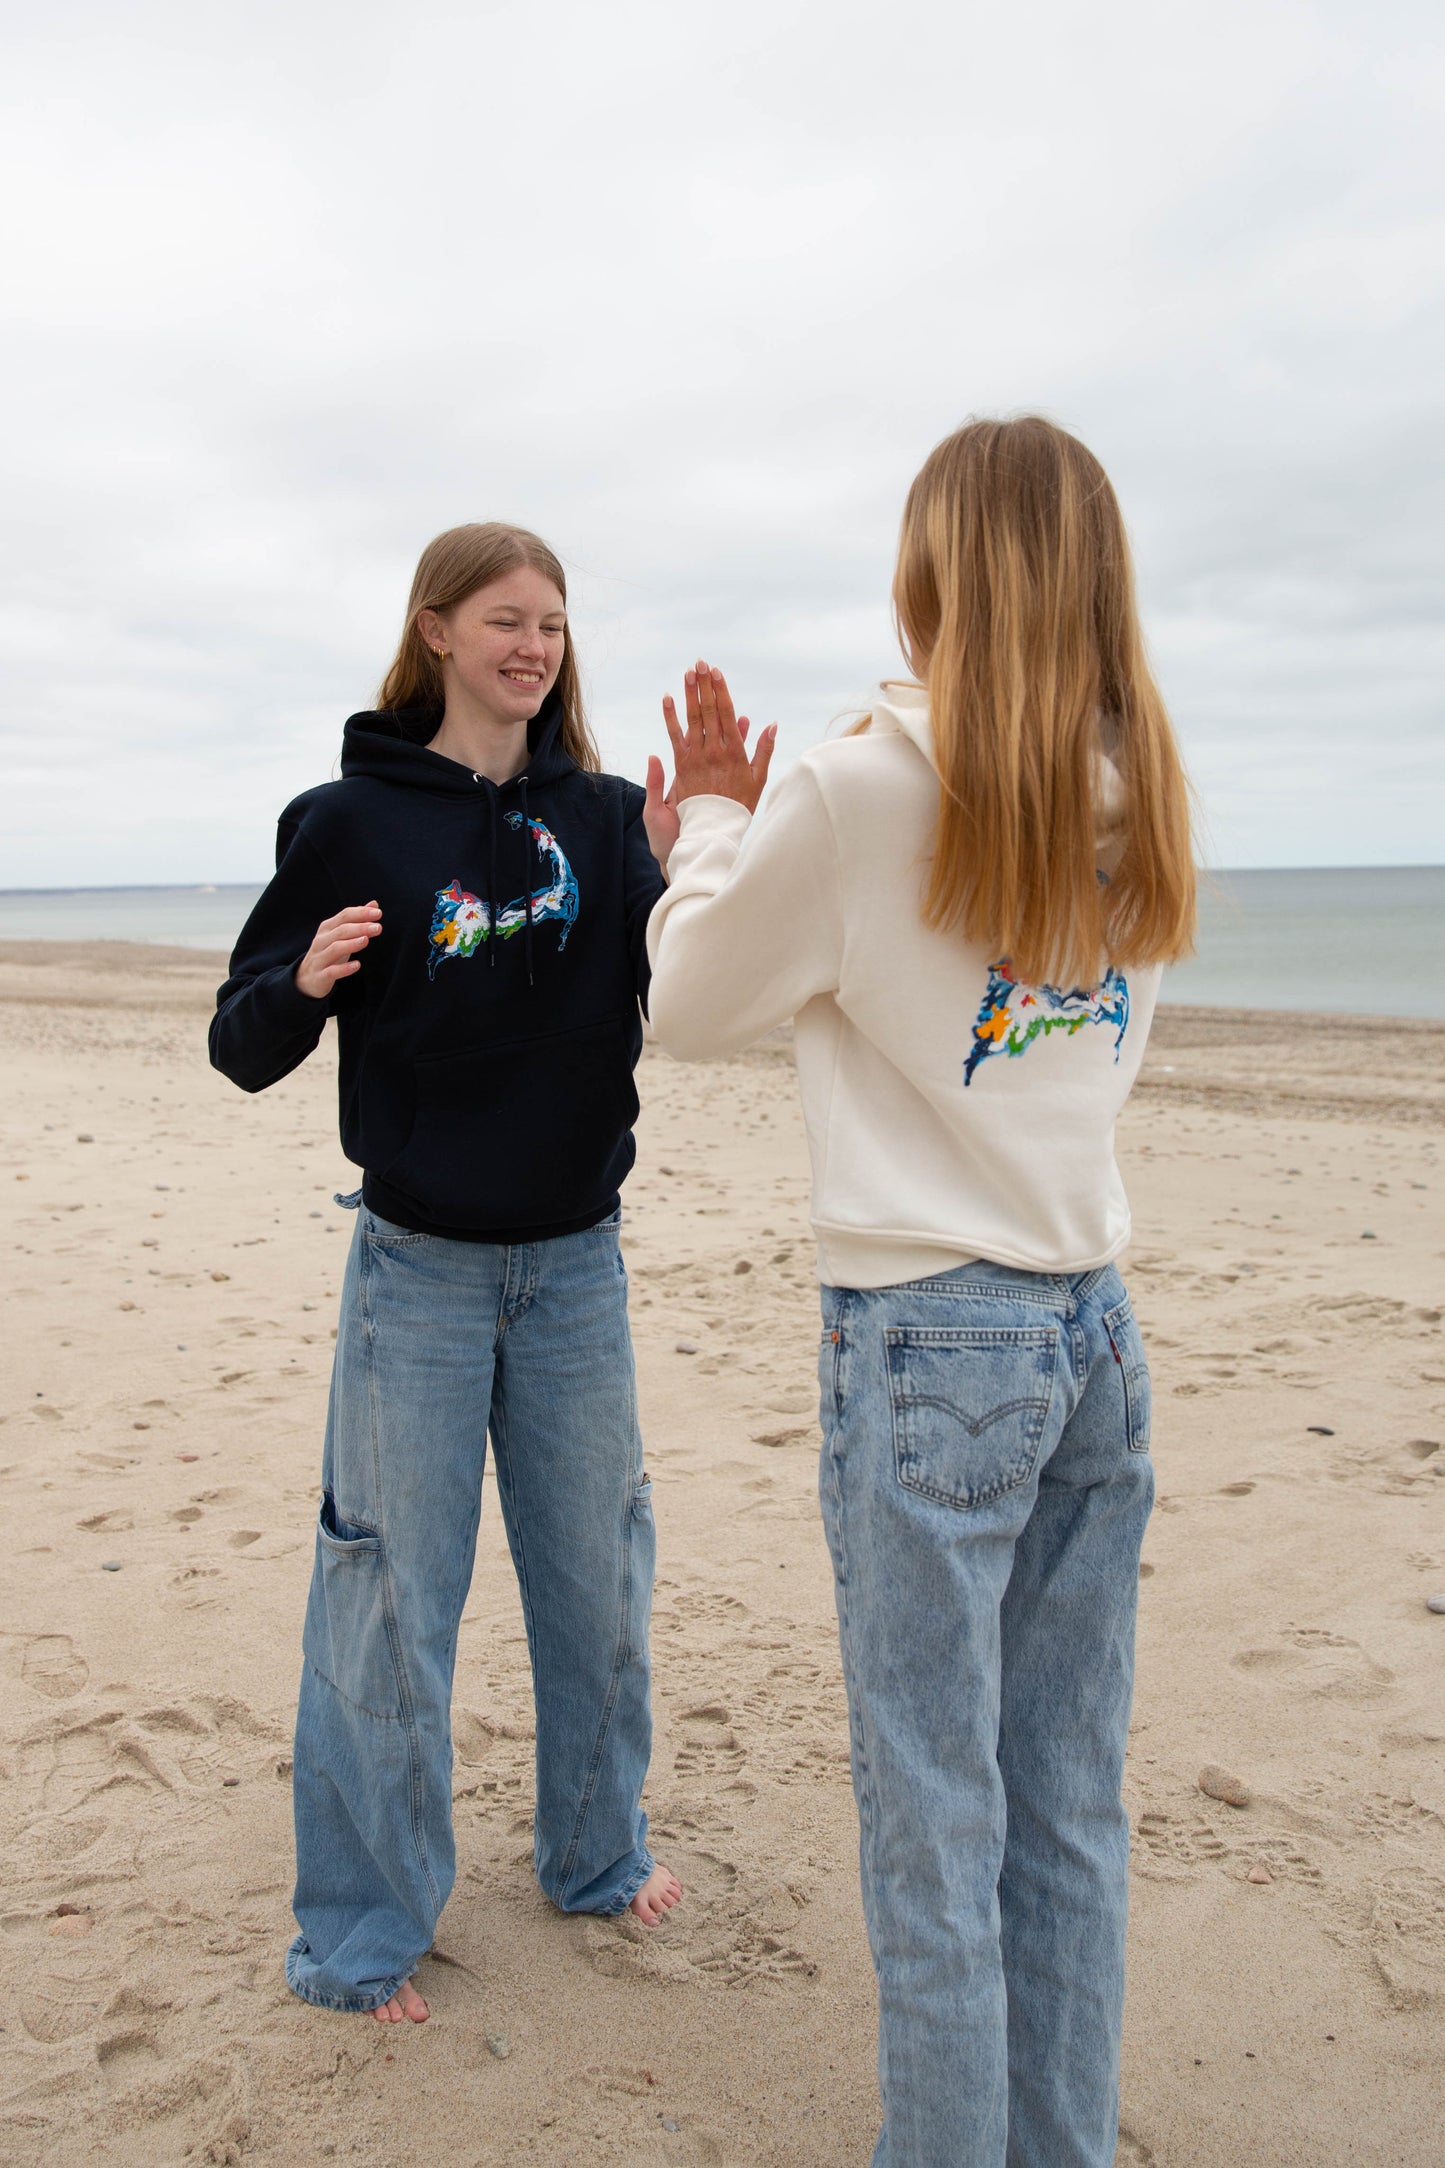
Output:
x=290 y=286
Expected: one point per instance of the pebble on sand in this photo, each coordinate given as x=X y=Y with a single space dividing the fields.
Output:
x=220 y=1275
x=1222 y=1784
x=687 y=1347
x=110 y=1565
x=1259 y=1873
x=500 y=2046
x=742 y=1265
x=1319 y=1430
x=1435 y=1603
x=85 y=1137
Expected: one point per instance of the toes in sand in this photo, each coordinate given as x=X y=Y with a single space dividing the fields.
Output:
x=658 y=1894
x=406 y=2002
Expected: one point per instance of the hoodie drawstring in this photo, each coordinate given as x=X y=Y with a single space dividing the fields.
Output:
x=492 y=879
x=527 y=856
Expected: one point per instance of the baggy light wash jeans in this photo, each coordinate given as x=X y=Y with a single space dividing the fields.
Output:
x=985 y=1483
x=440 y=1342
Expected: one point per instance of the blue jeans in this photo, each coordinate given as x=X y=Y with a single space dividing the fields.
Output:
x=439 y=1343
x=985 y=1483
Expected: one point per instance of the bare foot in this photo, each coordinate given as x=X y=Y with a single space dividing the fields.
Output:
x=658 y=1894
x=406 y=2002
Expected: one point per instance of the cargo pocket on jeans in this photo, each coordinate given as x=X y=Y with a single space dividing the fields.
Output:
x=347 y=1636
x=969 y=1407
x=1125 y=1339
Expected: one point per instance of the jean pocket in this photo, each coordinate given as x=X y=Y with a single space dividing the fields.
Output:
x=347 y=1636
x=386 y=1235
x=1127 y=1343
x=969 y=1407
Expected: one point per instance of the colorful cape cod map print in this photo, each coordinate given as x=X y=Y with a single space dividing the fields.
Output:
x=461 y=921
x=1012 y=1015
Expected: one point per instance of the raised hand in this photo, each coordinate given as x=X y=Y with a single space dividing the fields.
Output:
x=659 y=814
x=333 y=953
x=711 y=755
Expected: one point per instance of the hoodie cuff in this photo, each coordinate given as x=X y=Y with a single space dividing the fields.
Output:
x=711 y=815
x=281 y=1003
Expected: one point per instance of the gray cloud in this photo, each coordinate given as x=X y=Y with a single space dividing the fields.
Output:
x=692 y=291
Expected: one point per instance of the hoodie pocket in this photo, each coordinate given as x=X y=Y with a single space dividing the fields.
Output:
x=519 y=1135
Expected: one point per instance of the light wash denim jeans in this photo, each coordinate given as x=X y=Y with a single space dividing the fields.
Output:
x=439 y=1343
x=985 y=1483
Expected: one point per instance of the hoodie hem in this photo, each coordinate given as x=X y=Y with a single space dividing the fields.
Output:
x=390 y=1204
x=878 y=1257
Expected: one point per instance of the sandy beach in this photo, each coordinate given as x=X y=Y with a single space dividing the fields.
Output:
x=164 y=1387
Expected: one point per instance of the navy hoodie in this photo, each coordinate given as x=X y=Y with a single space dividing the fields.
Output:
x=487 y=1042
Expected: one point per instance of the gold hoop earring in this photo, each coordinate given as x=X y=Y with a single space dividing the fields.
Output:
x=440 y=653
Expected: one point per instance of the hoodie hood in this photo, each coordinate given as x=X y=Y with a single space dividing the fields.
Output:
x=904 y=708
x=390 y=745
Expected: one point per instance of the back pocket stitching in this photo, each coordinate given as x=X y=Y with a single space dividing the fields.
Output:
x=900 y=1337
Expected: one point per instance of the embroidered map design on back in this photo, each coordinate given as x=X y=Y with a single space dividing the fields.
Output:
x=461 y=922
x=1012 y=1015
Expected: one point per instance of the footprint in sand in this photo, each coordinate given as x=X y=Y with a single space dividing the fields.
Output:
x=53 y=1666
x=124 y=2055
x=703 y=1607
x=115 y=1523
x=77 y=1764
x=1407 y=1936
x=64 y=1999
x=1175 y=1847
x=710 y=1747
x=730 y=1931
x=1317 y=1662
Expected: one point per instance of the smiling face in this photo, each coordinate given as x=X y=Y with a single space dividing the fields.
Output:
x=504 y=644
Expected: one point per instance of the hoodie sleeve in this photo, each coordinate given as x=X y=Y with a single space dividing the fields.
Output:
x=264 y=1026
x=643 y=882
x=751 y=926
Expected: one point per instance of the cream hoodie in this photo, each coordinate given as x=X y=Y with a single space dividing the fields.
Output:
x=952 y=1112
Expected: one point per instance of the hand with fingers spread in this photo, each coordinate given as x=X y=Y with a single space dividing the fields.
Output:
x=333 y=953
x=711 y=757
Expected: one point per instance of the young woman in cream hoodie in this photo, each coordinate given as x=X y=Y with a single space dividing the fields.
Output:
x=965 y=906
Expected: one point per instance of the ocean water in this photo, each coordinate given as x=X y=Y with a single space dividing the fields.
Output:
x=200 y=918
x=1355 y=940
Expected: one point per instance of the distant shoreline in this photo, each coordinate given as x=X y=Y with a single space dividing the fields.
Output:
x=1337 y=941
x=1177 y=1023
x=223 y=888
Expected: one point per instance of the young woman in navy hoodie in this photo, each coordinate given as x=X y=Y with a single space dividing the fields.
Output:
x=469 y=902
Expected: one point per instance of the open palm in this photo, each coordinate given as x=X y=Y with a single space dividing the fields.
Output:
x=710 y=757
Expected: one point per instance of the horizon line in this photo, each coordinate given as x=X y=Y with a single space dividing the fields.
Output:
x=215 y=888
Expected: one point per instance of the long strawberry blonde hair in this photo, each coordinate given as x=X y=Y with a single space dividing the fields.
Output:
x=454 y=566
x=1014 y=602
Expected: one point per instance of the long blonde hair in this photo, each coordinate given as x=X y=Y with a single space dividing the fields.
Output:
x=454 y=566
x=1014 y=601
